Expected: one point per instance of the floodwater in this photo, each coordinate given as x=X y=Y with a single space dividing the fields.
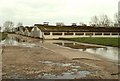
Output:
x=110 y=53
x=74 y=73
x=17 y=42
x=66 y=75
x=107 y=52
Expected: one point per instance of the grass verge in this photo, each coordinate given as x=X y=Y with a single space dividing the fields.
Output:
x=107 y=41
x=3 y=35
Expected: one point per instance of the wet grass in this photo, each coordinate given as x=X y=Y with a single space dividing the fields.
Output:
x=3 y=35
x=107 y=41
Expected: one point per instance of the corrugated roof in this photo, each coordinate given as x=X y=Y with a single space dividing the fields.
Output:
x=51 y=28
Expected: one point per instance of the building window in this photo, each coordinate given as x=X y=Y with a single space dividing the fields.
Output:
x=46 y=33
x=98 y=33
x=89 y=33
x=78 y=33
x=114 y=33
x=68 y=33
x=106 y=33
x=57 y=33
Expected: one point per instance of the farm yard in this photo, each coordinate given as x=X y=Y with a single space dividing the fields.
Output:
x=60 y=52
x=31 y=58
x=59 y=40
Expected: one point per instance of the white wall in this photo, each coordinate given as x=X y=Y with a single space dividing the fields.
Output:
x=26 y=32
x=73 y=36
x=36 y=32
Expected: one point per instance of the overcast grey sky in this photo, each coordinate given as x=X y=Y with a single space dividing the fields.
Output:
x=67 y=11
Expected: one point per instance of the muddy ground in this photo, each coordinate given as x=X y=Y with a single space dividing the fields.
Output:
x=20 y=62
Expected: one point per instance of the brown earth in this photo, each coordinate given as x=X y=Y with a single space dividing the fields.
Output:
x=25 y=62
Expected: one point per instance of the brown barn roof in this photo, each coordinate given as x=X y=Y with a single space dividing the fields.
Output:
x=29 y=28
x=51 y=28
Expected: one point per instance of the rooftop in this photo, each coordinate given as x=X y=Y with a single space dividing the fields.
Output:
x=76 y=28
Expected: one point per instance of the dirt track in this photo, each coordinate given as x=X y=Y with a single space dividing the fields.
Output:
x=26 y=62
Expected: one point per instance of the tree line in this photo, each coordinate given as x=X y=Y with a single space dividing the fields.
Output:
x=96 y=21
x=9 y=25
x=104 y=21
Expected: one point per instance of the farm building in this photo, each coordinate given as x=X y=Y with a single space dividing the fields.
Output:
x=56 y=32
x=46 y=31
x=21 y=30
x=27 y=31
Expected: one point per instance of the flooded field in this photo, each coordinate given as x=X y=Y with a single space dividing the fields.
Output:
x=110 y=53
x=29 y=58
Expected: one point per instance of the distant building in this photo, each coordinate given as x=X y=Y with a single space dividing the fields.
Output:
x=55 y=32
x=74 y=24
x=46 y=23
x=58 y=31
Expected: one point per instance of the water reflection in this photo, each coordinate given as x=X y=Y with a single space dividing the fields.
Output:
x=9 y=41
x=66 y=75
x=14 y=41
x=73 y=73
x=110 y=53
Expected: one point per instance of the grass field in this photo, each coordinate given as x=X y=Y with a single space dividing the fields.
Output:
x=3 y=36
x=97 y=40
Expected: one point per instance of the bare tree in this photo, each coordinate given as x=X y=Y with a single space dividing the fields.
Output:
x=102 y=21
x=19 y=24
x=82 y=24
x=8 y=25
x=94 y=21
x=116 y=18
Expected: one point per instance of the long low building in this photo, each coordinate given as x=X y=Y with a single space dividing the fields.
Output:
x=55 y=32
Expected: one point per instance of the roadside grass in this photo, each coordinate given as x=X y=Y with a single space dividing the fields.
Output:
x=107 y=41
x=3 y=35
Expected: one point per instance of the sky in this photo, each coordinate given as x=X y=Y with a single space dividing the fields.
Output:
x=30 y=12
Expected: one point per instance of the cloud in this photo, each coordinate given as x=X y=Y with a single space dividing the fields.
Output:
x=68 y=11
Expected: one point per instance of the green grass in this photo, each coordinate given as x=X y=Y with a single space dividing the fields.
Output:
x=97 y=40
x=3 y=36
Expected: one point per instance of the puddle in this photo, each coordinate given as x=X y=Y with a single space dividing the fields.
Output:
x=66 y=75
x=73 y=73
x=17 y=42
x=109 y=53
